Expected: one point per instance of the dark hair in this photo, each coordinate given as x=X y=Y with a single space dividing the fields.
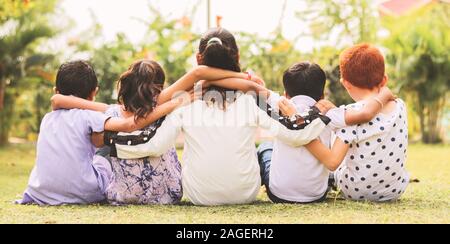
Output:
x=222 y=54
x=362 y=65
x=139 y=87
x=218 y=49
x=305 y=78
x=76 y=78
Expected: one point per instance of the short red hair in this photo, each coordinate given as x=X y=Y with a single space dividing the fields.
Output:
x=362 y=65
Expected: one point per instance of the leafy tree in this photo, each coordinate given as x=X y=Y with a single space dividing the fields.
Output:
x=268 y=57
x=25 y=24
x=420 y=61
x=110 y=60
x=336 y=25
x=171 y=42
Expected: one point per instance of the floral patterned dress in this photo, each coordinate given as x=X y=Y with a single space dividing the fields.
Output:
x=152 y=180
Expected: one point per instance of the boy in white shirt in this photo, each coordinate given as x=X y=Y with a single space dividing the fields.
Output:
x=293 y=174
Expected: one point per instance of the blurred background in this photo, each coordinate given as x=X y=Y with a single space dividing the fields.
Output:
x=37 y=36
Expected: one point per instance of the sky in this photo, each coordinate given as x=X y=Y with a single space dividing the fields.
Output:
x=253 y=16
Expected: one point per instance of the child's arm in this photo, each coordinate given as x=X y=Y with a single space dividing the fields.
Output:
x=201 y=72
x=371 y=108
x=97 y=139
x=330 y=158
x=162 y=141
x=130 y=124
x=69 y=102
x=242 y=85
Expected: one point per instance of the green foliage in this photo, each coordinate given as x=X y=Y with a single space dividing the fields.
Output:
x=170 y=42
x=349 y=20
x=268 y=57
x=21 y=65
x=345 y=22
x=109 y=61
x=420 y=61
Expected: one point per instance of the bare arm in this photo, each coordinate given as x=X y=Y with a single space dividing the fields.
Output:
x=188 y=80
x=371 y=108
x=97 y=139
x=242 y=85
x=130 y=124
x=330 y=158
x=59 y=101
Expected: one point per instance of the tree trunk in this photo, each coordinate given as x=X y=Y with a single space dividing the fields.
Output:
x=6 y=118
x=2 y=89
x=2 y=93
x=431 y=120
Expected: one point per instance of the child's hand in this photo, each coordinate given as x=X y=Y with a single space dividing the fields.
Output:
x=286 y=107
x=387 y=94
x=185 y=98
x=324 y=106
x=256 y=79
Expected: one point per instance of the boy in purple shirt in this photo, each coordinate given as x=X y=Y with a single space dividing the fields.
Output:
x=67 y=171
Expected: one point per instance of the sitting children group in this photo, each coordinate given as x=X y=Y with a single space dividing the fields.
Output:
x=360 y=148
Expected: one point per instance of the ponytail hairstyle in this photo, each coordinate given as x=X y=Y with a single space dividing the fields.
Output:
x=139 y=87
x=218 y=49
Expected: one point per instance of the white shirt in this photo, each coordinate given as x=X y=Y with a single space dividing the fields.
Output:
x=220 y=162
x=373 y=168
x=295 y=174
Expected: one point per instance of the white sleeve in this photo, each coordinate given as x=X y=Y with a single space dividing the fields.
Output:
x=163 y=140
x=295 y=138
x=337 y=116
x=273 y=100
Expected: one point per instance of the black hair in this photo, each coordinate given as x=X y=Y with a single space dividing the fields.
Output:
x=218 y=49
x=139 y=87
x=76 y=78
x=305 y=78
x=223 y=53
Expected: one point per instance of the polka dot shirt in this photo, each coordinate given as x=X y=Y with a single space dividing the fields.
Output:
x=374 y=167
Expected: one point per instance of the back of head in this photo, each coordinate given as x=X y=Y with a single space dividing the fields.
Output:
x=362 y=66
x=76 y=78
x=139 y=87
x=306 y=79
x=218 y=49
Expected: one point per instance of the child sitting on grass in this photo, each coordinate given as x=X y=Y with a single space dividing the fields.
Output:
x=293 y=174
x=374 y=152
x=67 y=171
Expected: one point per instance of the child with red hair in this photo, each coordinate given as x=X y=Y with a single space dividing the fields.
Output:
x=371 y=156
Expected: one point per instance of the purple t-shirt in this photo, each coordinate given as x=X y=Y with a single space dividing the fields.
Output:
x=64 y=172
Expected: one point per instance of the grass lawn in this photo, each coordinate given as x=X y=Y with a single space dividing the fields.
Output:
x=424 y=202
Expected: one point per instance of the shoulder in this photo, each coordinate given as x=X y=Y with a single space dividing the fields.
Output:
x=113 y=110
x=354 y=106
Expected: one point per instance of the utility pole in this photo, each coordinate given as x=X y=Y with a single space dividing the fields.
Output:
x=208 y=9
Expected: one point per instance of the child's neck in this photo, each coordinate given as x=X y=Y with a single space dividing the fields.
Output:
x=364 y=94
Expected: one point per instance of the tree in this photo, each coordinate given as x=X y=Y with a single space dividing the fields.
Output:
x=336 y=25
x=170 y=42
x=268 y=57
x=26 y=23
x=110 y=60
x=421 y=63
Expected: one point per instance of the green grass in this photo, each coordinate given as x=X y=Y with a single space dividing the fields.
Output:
x=424 y=202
